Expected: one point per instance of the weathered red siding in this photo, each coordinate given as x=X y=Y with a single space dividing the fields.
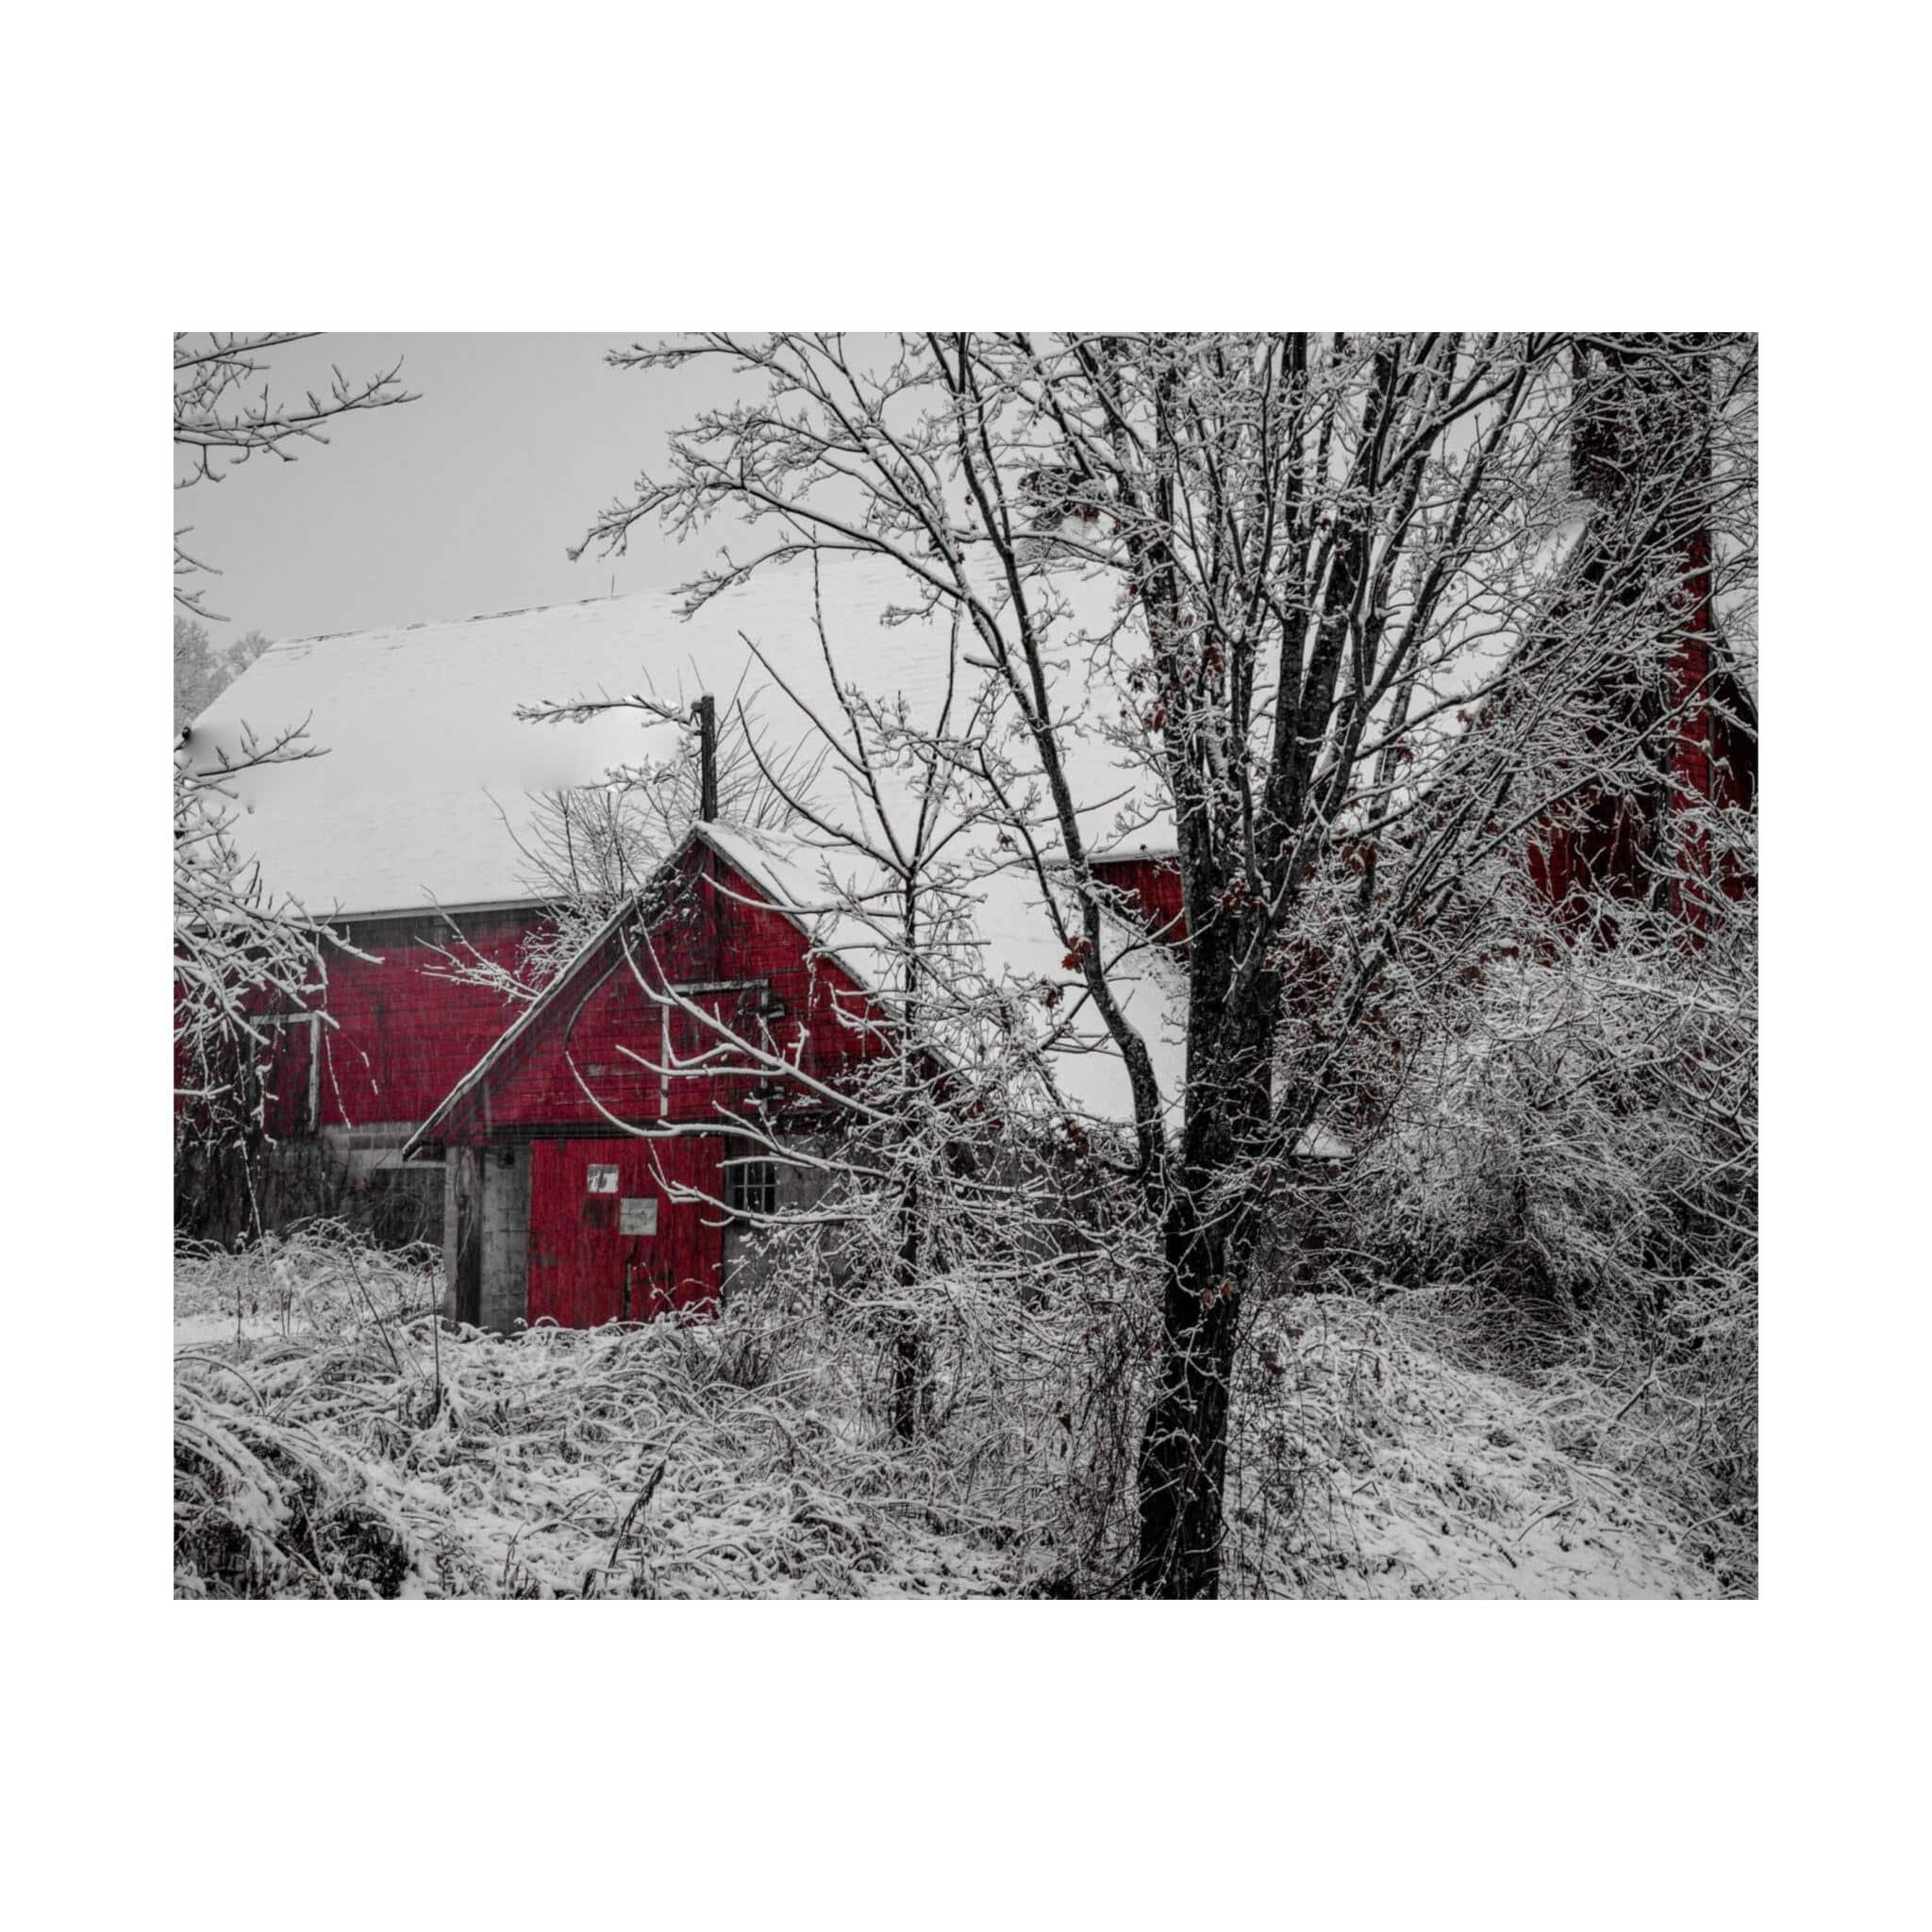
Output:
x=1154 y=883
x=600 y=1049
x=584 y=1269
x=406 y=1036
x=403 y=1036
x=591 y=1061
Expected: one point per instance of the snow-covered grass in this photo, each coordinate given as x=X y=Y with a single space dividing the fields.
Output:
x=347 y=1444
x=333 y=1439
x=1373 y=1459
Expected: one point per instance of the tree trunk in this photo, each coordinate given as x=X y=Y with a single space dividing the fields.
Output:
x=1183 y=1462
x=911 y=1371
x=910 y=1368
x=1208 y=1239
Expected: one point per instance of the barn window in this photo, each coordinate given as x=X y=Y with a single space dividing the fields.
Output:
x=601 y=1180
x=751 y=1186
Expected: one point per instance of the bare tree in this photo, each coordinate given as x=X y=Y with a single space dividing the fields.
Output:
x=245 y=959
x=221 y=420
x=247 y=965
x=930 y=1189
x=1354 y=580
x=202 y=673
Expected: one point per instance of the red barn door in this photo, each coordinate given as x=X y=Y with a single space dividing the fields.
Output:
x=606 y=1240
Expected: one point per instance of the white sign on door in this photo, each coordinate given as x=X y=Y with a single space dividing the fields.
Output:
x=637 y=1216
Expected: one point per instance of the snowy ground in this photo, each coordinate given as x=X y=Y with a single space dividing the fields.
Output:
x=1376 y=1467
x=334 y=1441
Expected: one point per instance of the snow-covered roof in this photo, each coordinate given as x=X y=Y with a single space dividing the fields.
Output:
x=1019 y=952
x=430 y=780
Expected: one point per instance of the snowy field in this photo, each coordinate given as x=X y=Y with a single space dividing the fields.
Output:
x=1410 y=1475
x=333 y=1441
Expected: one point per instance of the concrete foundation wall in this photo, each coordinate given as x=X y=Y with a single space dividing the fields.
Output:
x=485 y=1249
x=748 y=1268
x=506 y=1237
x=463 y=1196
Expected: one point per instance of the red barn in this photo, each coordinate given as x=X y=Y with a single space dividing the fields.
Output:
x=593 y=1174
x=410 y=836
x=593 y=1170
x=574 y=1149
x=419 y=836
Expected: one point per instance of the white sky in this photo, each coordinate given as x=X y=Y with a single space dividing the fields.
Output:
x=460 y=502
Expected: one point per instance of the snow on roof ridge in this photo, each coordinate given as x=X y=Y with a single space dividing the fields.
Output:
x=669 y=595
x=368 y=630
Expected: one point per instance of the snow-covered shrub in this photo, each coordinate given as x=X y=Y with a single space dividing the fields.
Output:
x=333 y=1438
x=1031 y=1365
x=1570 y=1175
x=317 y=1278
x=1368 y=1460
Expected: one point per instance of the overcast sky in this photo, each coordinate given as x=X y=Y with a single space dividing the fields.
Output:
x=460 y=502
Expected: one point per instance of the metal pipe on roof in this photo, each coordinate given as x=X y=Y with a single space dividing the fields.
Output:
x=706 y=712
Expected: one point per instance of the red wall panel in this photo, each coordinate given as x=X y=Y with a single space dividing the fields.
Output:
x=1153 y=885
x=404 y=1036
x=585 y=1270
x=606 y=1055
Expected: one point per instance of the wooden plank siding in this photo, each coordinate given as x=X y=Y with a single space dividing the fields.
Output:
x=403 y=1035
x=585 y=1269
x=597 y=1048
x=591 y=1060
x=1152 y=882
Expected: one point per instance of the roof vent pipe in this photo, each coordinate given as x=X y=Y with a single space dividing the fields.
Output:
x=706 y=712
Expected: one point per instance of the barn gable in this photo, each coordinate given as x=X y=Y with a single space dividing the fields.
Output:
x=589 y=1154
x=613 y=1041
